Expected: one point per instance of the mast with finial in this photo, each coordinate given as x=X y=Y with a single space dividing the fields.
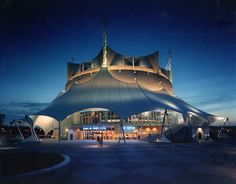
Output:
x=104 y=45
x=169 y=64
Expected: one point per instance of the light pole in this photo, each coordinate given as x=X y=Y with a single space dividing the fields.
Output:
x=100 y=119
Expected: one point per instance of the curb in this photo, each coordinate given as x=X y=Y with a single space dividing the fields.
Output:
x=41 y=172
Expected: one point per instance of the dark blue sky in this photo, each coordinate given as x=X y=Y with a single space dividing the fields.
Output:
x=38 y=37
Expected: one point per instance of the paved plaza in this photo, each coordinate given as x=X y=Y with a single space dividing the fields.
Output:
x=141 y=162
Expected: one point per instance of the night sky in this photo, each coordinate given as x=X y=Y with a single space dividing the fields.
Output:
x=38 y=37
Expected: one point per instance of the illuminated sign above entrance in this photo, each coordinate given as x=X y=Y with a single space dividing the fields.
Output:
x=129 y=127
x=94 y=128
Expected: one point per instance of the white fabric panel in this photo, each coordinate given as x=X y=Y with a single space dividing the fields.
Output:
x=104 y=91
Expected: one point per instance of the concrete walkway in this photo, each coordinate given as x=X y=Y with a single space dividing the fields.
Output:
x=140 y=162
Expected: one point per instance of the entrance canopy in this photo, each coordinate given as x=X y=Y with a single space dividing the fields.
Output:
x=125 y=99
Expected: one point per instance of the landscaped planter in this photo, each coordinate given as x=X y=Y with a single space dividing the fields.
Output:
x=49 y=167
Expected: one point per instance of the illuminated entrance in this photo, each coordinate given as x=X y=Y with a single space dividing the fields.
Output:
x=114 y=132
x=89 y=124
x=93 y=132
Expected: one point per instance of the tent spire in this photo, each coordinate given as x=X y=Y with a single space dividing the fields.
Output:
x=169 y=63
x=104 y=45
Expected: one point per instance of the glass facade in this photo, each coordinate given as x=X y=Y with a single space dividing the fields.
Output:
x=97 y=117
x=93 y=123
x=103 y=116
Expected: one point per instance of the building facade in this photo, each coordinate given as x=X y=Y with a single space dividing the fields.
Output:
x=114 y=95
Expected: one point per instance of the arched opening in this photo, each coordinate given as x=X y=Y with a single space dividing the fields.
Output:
x=199 y=134
x=45 y=126
x=89 y=124
x=39 y=132
x=50 y=134
x=92 y=123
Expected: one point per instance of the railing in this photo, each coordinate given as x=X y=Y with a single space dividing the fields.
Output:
x=135 y=68
x=88 y=71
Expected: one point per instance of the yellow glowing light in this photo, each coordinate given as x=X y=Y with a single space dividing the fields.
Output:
x=148 y=129
x=67 y=129
x=200 y=130
x=104 y=64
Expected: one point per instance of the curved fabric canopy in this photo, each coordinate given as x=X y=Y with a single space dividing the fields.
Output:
x=104 y=91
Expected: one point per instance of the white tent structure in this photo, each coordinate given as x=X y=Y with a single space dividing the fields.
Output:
x=124 y=85
x=104 y=91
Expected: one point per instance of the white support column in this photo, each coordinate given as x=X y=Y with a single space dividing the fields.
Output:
x=141 y=132
x=31 y=125
x=133 y=65
x=225 y=121
x=59 y=131
x=104 y=49
x=18 y=130
x=122 y=130
x=162 y=137
x=163 y=122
